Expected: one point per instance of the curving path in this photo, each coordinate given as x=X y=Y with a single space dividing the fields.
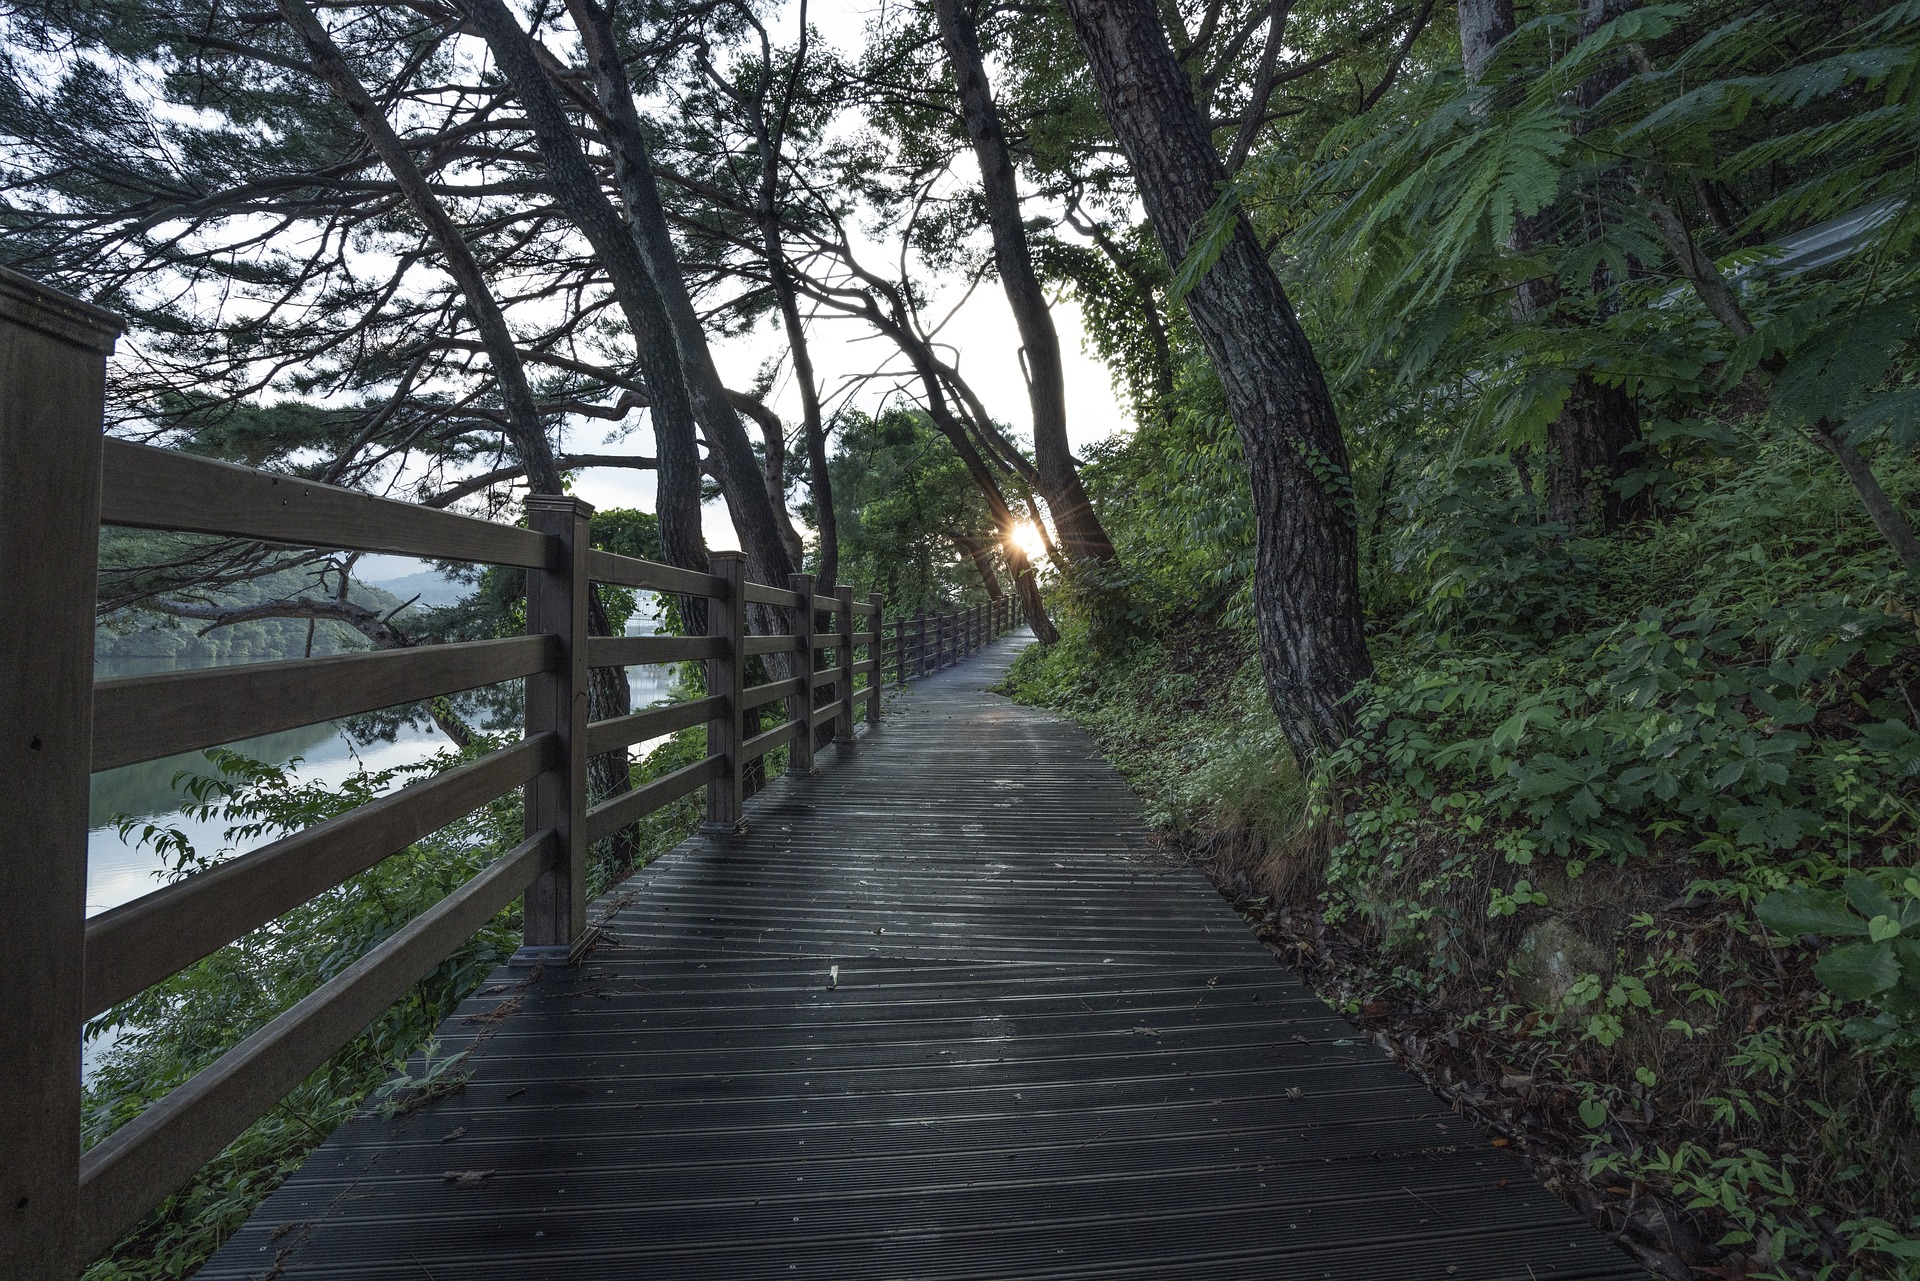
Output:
x=941 y=1013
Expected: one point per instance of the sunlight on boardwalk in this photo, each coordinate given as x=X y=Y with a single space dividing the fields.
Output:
x=941 y=1013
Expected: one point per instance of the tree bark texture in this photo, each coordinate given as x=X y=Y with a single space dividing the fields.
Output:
x=1074 y=518
x=1483 y=25
x=1313 y=649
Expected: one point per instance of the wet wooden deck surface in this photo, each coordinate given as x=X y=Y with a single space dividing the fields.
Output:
x=941 y=1013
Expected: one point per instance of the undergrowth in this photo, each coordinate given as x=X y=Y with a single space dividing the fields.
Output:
x=174 y=1029
x=1623 y=854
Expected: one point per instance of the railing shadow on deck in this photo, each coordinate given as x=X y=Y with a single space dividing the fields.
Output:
x=60 y=479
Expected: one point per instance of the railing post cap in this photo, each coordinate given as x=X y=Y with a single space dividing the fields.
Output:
x=716 y=558
x=558 y=503
x=807 y=579
x=26 y=301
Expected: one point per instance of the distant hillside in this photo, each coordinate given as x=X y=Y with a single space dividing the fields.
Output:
x=433 y=589
x=139 y=640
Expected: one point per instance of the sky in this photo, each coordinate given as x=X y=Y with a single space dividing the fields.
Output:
x=981 y=341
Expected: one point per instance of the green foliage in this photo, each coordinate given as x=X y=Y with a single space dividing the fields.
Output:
x=160 y=1038
x=907 y=511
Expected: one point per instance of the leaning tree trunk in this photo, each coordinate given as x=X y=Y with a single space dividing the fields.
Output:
x=980 y=552
x=609 y=694
x=727 y=441
x=1313 y=649
x=1081 y=533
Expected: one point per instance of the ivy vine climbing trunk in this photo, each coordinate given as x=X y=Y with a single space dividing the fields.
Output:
x=1074 y=519
x=1313 y=648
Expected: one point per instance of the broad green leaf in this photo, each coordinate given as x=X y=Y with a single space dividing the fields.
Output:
x=1801 y=910
x=1868 y=898
x=1858 y=970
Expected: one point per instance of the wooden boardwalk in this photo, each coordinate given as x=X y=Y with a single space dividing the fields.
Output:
x=941 y=1013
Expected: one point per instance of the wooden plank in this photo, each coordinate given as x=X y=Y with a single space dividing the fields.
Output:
x=621 y=731
x=800 y=703
x=876 y=655
x=866 y=608
x=761 y=594
x=148 y=488
x=140 y=718
x=901 y=1029
x=636 y=651
x=760 y=744
x=843 y=654
x=825 y=714
x=866 y=665
x=825 y=676
x=630 y=571
x=727 y=617
x=761 y=695
x=141 y=1163
x=555 y=911
x=608 y=817
x=53 y=352
x=135 y=945
x=773 y=645
x=865 y=638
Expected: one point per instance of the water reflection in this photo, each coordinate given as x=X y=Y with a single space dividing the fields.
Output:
x=120 y=870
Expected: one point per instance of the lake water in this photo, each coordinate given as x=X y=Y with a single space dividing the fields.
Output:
x=120 y=870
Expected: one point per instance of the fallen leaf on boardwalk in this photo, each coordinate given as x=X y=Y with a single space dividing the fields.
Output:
x=458 y=1130
x=464 y=1179
x=1295 y=1092
x=1503 y=1143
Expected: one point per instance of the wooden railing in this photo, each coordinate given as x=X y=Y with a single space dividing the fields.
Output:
x=925 y=643
x=59 y=481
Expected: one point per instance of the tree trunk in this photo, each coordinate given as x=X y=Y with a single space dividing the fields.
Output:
x=1587 y=453
x=1724 y=305
x=1313 y=649
x=980 y=552
x=1483 y=25
x=774 y=433
x=753 y=515
x=608 y=694
x=826 y=524
x=524 y=427
x=1079 y=528
x=1588 y=442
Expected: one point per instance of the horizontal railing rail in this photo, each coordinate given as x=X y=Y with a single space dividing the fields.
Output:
x=816 y=645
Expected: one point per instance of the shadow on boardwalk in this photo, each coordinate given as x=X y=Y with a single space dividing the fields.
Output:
x=941 y=1013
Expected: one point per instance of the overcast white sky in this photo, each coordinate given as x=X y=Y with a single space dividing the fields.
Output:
x=982 y=337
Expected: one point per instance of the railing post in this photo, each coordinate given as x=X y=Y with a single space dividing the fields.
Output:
x=899 y=626
x=555 y=907
x=843 y=657
x=727 y=675
x=800 y=706
x=877 y=678
x=53 y=360
x=920 y=646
